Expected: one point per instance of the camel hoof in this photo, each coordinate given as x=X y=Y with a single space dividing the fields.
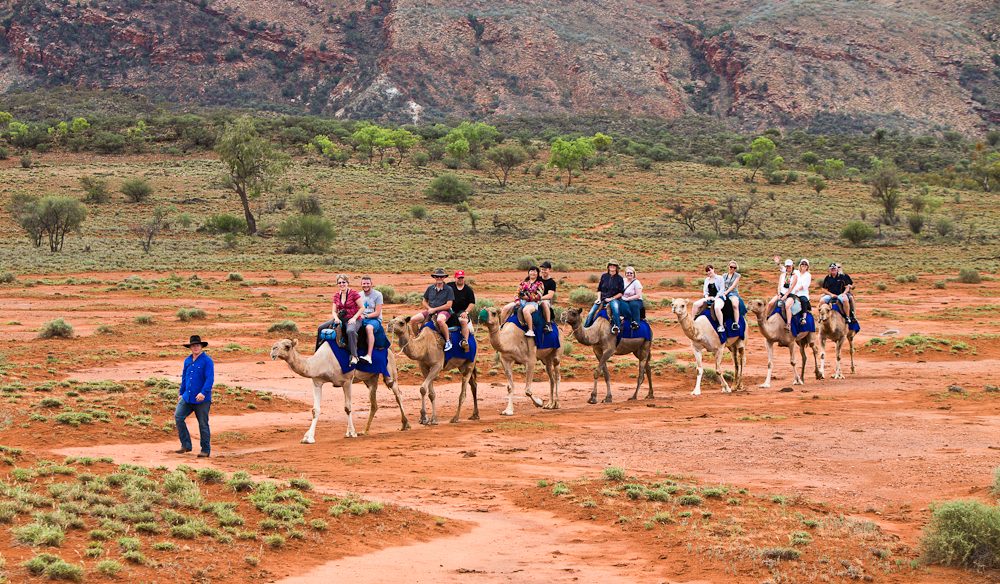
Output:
x=433 y=422
x=592 y=400
x=453 y=420
x=633 y=398
x=606 y=400
x=474 y=416
x=727 y=390
x=308 y=440
x=538 y=403
x=649 y=395
x=797 y=382
x=696 y=392
x=764 y=385
x=551 y=406
x=351 y=435
x=507 y=413
x=406 y=426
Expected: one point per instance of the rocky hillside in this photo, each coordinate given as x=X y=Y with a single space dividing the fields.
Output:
x=828 y=64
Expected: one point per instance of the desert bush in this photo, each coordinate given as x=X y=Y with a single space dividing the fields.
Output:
x=4 y=153
x=307 y=204
x=26 y=161
x=582 y=296
x=284 y=326
x=525 y=262
x=109 y=567
x=944 y=226
x=969 y=276
x=56 y=329
x=857 y=232
x=644 y=163
x=189 y=314
x=915 y=221
x=614 y=473
x=309 y=233
x=420 y=159
x=963 y=533
x=418 y=211
x=210 y=475
x=95 y=189
x=136 y=190
x=52 y=216
x=448 y=188
x=716 y=161
x=7 y=278
x=225 y=223
x=995 y=488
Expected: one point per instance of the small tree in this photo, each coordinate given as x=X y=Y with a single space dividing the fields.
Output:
x=448 y=188
x=310 y=233
x=402 y=141
x=569 y=155
x=763 y=153
x=833 y=168
x=458 y=149
x=817 y=183
x=148 y=231
x=477 y=135
x=24 y=209
x=366 y=138
x=59 y=215
x=136 y=190
x=986 y=169
x=95 y=189
x=506 y=157
x=885 y=189
x=688 y=215
x=857 y=232
x=252 y=164
x=916 y=223
x=602 y=142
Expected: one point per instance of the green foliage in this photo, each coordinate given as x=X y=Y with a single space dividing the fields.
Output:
x=644 y=163
x=95 y=189
x=885 y=189
x=568 y=155
x=477 y=136
x=689 y=500
x=915 y=221
x=56 y=329
x=252 y=164
x=274 y=541
x=781 y=553
x=763 y=154
x=817 y=183
x=136 y=190
x=52 y=216
x=505 y=158
x=307 y=204
x=418 y=211
x=944 y=226
x=210 y=475
x=963 y=533
x=448 y=188
x=582 y=296
x=38 y=534
x=109 y=568
x=308 y=233
x=189 y=314
x=857 y=232
x=285 y=326
x=526 y=262
x=614 y=473
x=225 y=223
x=969 y=276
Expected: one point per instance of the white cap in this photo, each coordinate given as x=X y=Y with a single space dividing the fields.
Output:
x=788 y=262
x=804 y=261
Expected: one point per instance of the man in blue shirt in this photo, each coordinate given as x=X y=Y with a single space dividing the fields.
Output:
x=195 y=396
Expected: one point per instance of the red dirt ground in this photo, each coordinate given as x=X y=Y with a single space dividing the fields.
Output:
x=879 y=446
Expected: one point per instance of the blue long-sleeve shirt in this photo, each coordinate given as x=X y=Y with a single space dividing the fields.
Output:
x=198 y=377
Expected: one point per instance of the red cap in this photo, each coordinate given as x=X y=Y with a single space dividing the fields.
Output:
x=460 y=273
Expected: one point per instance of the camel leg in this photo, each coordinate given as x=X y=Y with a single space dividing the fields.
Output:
x=424 y=370
x=642 y=373
x=552 y=369
x=795 y=371
x=822 y=355
x=770 y=363
x=432 y=396
x=816 y=351
x=394 y=387
x=837 y=374
x=529 y=376
x=701 y=371
x=310 y=435
x=351 y=432
x=461 y=400
x=428 y=389
x=649 y=374
x=474 y=388
x=597 y=373
x=718 y=369
x=738 y=356
x=850 y=345
x=607 y=373
x=509 y=373
x=372 y=402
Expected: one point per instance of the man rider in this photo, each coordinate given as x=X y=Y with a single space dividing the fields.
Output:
x=838 y=284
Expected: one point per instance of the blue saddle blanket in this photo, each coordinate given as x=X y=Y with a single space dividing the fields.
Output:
x=853 y=325
x=379 y=364
x=797 y=326
x=543 y=340
x=381 y=341
x=625 y=328
x=456 y=351
x=740 y=331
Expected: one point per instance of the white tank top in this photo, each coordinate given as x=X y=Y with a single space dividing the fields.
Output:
x=802 y=284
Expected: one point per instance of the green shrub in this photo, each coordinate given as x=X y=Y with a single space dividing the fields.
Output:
x=285 y=326
x=274 y=541
x=234 y=277
x=7 y=278
x=420 y=159
x=448 y=188
x=781 y=553
x=308 y=233
x=144 y=319
x=37 y=534
x=240 y=481
x=689 y=500
x=307 y=204
x=944 y=226
x=969 y=276
x=50 y=402
x=582 y=296
x=525 y=262
x=210 y=475
x=56 y=329
x=995 y=489
x=109 y=567
x=857 y=232
x=418 y=211
x=614 y=473
x=643 y=163
x=225 y=223
x=963 y=533
x=916 y=221
x=716 y=161
x=26 y=161
x=189 y=314
x=95 y=189
x=300 y=484
x=136 y=190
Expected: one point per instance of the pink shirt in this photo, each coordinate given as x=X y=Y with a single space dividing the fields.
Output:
x=352 y=304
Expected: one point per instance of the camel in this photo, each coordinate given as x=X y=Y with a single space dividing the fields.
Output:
x=322 y=367
x=604 y=342
x=704 y=338
x=513 y=347
x=427 y=349
x=833 y=326
x=773 y=329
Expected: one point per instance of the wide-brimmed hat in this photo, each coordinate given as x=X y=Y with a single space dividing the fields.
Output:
x=439 y=273
x=804 y=261
x=195 y=340
x=614 y=263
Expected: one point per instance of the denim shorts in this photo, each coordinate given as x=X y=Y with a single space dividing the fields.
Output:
x=525 y=304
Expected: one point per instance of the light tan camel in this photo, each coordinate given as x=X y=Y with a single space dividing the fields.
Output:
x=322 y=367
x=427 y=349
x=704 y=338
x=599 y=337
x=773 y=329
x=513 y=347
x=833 y=326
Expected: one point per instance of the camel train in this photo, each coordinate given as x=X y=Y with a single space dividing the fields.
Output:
x=716 y=323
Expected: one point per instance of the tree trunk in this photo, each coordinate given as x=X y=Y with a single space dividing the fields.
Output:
x=247 y=213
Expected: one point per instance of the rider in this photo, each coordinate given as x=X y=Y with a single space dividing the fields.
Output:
x=712 y=292
x=371 y=314
x=731 y=281
x=784 y=283
x=632 y=297
x=437 y=301
x=799 y=290
x=346 y=304
x=609 y=290
x=850 y=290
x=838 y=285
x=465 y=299
x=549 y=283
x=529 y=294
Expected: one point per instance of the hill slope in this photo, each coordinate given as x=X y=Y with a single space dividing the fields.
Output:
x=826 y=63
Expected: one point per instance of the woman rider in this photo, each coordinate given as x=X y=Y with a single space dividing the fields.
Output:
x=712 y=291
x=731 y=282
x=609 y=290
x=346 y=304
x=529 y=294
x=631 y=301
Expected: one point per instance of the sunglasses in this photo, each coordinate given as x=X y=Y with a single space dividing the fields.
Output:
x=629 y=273
x=438 y=277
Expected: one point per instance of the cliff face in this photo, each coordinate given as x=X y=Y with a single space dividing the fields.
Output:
x=826 y=63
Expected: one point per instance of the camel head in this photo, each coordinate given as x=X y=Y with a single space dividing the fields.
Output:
x=490 y=317
x=572 y=316
x=282 y=349
x=679 y=306
x=824 y=312
x=398 y=325
x=757 y=307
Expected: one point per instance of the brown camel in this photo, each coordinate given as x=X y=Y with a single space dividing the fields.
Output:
x=605 y=344
x=833 y=326
x=704 y=338
x=322 y=367
x=427 y=349
x=773 y=329
x=513 y=347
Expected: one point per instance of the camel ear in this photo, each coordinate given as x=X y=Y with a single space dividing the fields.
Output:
x=407 y=319
x=295 y=342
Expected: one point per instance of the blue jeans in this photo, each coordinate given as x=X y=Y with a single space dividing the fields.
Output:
x=632 y=308
x=184 y=410
x=613 y=306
